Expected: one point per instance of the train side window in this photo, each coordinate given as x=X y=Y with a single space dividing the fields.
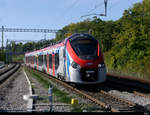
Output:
x=26 y=59
x=37 y=60
x=29 y=59
x=39 y=63
x=40 y=58
x=63 y=53
x=34 y=59
x=45 y=60
x=56 y=60
x=50 y=61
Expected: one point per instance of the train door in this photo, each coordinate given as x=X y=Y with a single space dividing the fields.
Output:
x=53 y=64
x=45 y=62
x=61 y=70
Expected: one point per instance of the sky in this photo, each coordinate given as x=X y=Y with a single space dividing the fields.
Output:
x=53 y=14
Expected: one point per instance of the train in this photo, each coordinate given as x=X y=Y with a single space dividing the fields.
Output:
x=77 y=59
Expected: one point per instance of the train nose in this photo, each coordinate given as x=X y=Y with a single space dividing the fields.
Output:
x=88 y=74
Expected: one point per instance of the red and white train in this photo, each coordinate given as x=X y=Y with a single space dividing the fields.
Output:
x=77 y=59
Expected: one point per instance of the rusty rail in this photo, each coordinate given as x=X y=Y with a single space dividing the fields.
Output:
x=146 y=81
x=142 y=94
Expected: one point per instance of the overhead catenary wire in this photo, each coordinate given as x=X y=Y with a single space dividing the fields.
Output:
x=105 y=12
x=68 y=9
x=96 y=6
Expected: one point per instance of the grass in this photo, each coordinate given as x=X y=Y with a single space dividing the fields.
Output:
x=59 y=95
x=124 y=71
x=17 y=58
x=128 y=73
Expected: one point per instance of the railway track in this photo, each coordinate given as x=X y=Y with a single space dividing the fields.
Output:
x=6 y=69
x=114 y=101
x=6 y=73
x=2 y=65
x=130 y=85
x=107 y=101
x=139 y=84
x=129 y=78
x=132 y=89
x=13 y=86
x=142 y=94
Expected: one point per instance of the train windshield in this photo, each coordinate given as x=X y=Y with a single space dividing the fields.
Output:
x=85 y=48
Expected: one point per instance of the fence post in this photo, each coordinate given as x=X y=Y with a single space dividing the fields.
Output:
x=50 y=97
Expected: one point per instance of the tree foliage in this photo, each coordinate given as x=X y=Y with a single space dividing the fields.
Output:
x=125 y=42
x=132 y=41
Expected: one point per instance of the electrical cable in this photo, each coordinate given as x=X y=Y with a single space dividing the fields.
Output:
x=96 y=6
x=105 y=4
x=68 y=9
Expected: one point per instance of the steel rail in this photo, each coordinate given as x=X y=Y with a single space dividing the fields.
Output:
x=6 y=70
x=128 y=84
x=146 y=81
x=142 y=94
x=8 y=73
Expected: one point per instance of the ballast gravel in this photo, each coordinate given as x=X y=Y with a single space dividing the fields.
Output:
x=11 y=94
x=131 y=97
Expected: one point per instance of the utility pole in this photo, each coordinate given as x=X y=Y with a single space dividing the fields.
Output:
x=2 y=37
x=105 y=2
x=7 y=51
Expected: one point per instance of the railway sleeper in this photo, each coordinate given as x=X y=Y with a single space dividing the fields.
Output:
x=119 y=99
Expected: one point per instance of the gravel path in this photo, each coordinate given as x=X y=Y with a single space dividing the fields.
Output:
x=11 y=95
x=132 y=97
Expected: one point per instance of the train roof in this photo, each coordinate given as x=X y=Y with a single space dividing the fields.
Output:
x=78 y=35
x=49 y=47
x=61 y=42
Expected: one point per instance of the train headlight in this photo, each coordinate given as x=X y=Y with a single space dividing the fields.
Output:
x=75 y=65
x=101 y=65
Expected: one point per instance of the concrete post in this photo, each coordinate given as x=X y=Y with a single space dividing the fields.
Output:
x=50 y=97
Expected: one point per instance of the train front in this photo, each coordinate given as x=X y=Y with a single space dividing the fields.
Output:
x=85 y=63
